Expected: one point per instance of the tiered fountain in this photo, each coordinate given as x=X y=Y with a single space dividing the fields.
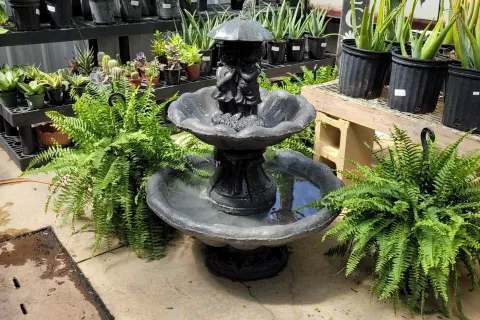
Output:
x=249 y=209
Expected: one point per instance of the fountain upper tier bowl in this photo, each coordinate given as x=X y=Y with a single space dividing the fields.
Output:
x=282 y=115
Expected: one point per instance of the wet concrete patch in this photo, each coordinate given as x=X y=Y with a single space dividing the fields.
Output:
x=39 y=280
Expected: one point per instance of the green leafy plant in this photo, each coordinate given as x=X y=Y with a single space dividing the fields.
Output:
x=466 y=37
x=53 y=80
x=32 y=88
x=173 y=51
x=9 y=80
x=201 y=26
x=316 y=22
x=82 y=62
x=297 y=26
x=278 y=21
x=416 y=212
x=4 y=20
x=30 y=72
x=152 y=70
x=191 y=55
x=118 y=148
x=158 y=44
x=372 y=37
x=77 y=80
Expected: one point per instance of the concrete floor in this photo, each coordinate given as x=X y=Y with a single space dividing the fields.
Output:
x=180 y=287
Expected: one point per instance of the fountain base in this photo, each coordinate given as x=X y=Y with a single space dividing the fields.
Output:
x=240 y=186
x=246 y=265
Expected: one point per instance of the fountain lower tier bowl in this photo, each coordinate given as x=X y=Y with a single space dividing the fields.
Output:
x=246 y=247
x=281 y=114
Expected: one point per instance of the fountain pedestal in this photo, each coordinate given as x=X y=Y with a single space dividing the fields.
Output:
x=240 y=185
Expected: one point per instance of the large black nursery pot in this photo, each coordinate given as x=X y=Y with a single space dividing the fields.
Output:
x=295 y=49
x=276 y=52
x=189 y=5
x=26 y=14
x=316 y=47
x=462 y=99
x=172 y=76
x=167 y=9
x=362 y=72
x=61 y=13
x=86 y=11
x=44 y=14
x=415 y=84
x=149 y=7
x=130 y=10
x=395 y=47
x=103 y=11
x=56 y=96
x=206 y=63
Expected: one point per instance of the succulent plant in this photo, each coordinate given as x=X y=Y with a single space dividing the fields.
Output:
x=112 y=64
x=135 y=75
x=105 y=61
x=100 y=56
x=141 y=59
x=116 y=73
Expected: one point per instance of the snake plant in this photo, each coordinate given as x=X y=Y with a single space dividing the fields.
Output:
x=316 y=22
x=370 y=37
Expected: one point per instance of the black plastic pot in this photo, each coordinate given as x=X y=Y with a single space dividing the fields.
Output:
x=149 y=7
x=202 y=5
x=316 y=47
x=206 y=64
x=172 y=77
x=415 y=84
x=236 y=4
x=103 y=11
x=276 y=52
x=116 y=12
x=295 y=49
x=26 y=14
x=79 y=90
x=57 y=95
x=394 y=48
x=462 y=99
x=44 y=14
x=167 y=9
x=191 y=6
x=362 y=72
x=60 y=12
x=86 y=11
x=130 y=11
x=8 y=99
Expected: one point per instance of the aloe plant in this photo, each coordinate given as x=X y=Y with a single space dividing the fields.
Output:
x=370 y=37
x=278 y=21
x=297 y=26
x=467 y=46
x=316 y=22
x=32 y=88
x=201 y=26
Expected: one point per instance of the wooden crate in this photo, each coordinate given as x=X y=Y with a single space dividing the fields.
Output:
x=346 y=124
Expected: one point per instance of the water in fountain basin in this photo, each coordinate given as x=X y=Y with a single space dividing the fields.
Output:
x=187 y=193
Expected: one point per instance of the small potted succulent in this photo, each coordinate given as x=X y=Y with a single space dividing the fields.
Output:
x=128 y=68
x=296 y=28
x=417 y=74
x=56 y=87
x=158 y=47
x=135 y=80
x=78 y=83
x=316 y=39
x=365 y=59
x=34 y=92
x=173 y=51
x=130 y=11
x=140 y=62
x=278 y=28
x=191 y=57
x=103 y=11
x=152 y=73
x=8 y=88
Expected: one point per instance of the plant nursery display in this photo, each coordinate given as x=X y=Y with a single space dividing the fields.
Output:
x=462 y=93
x=365 y=59
x=56 y=86
x=416 y=213
x=296 y=28
x=277 y=25
x=34 y=94
x=8 y=87
x=316 y=38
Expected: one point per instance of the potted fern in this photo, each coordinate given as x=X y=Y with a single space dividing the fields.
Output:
x=278 y=28
x=56 y=87
x=417 y=74
x=416 y=213
x=316 y=38
x=296 y=28
x=78 y=83
x=8 y=88
x=34 y=94
x=191 y=57
x=365 y=59
x=173 y=52
x=462 y=94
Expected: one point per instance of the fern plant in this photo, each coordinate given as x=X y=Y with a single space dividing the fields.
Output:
x=119 y=147
x=417 y=211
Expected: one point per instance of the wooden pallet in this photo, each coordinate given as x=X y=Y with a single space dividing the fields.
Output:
x=346 y=124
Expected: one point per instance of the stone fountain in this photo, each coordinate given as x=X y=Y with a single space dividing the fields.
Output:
x=248 y=209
